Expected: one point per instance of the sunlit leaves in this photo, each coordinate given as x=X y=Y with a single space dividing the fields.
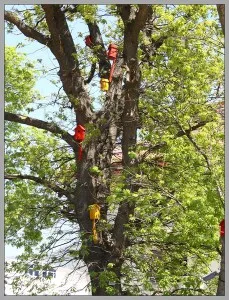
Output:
x=178 y=207
x=177 y=190
x=20 y=78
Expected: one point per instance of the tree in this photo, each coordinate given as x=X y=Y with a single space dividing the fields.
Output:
x=221 y=283
x=221 y=12
x=164 y=112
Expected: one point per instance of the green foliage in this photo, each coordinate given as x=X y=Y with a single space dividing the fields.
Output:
x=107 y=281
x=179 y=207
x=87 y=12
x=94 y=170
x=30 y=208
x=20 y=78
x=173 y=232
x=93 y=132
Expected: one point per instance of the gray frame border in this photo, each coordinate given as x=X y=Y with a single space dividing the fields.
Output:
x=2 y=253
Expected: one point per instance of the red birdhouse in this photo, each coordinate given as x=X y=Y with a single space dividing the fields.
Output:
x=79 y=135
x=112 y=52
x=222 y=227
x=88 y=41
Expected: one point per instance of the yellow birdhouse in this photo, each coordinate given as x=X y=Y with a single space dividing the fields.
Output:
x=104 y=84
x=95 y=237
x=95 y=212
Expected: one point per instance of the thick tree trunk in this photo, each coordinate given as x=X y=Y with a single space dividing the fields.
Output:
x=93 y=189
x=119 y=115
x=221 y=283
x=88 y=192
x=221 y=12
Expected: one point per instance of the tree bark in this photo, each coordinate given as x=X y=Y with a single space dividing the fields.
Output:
x=119 y=115
x=221 y=13
x=221 y=283
x=51 y=127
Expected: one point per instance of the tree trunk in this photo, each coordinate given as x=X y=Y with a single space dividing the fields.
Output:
x=221 y=283
x=118 y=117
x=221 y=12
x=93 y=188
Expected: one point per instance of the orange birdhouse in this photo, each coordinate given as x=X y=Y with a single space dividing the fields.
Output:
x=88 y=41
x=79 y=135
x=222 y=228
x=104 y=84
x=94 y=212
x=112 y=52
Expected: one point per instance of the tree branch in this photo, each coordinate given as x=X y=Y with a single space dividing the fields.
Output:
x=72 y=8
x=192 y=128
x=25 y=29
x=133 y=22
x=198 y=149
x=189 y=289
x=179 y=134
x=91 y=75
x=145 y=11
x=38 y=180
x=63 y=48
x=62 y=44
x=51 y=127
x=221 y=13
x=98 y=48
x=124 y=11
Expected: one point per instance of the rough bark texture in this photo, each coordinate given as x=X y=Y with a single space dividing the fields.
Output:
x=118 y=117
x=133 y=22
x=221 y=12
x=221 y=283
x=62 y=46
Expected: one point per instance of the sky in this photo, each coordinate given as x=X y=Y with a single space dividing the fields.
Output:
x=35 y=51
